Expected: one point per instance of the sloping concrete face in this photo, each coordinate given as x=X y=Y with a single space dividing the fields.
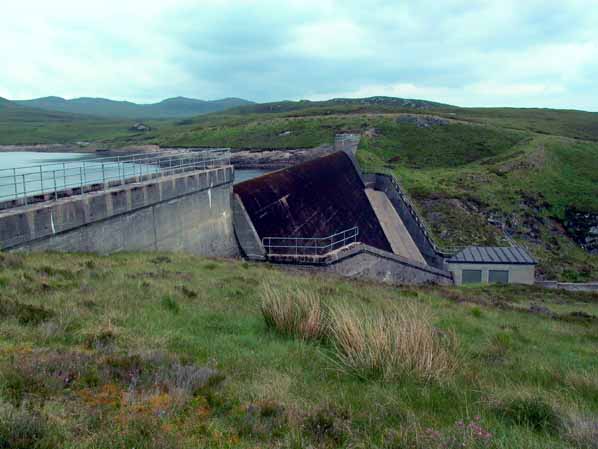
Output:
x=400 y=240
x=189 y=212
x=315 y=199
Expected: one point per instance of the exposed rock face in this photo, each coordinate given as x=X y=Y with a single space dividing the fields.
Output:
x=583 y=228
x=139 y=127
x=275 y=158
x=422 y=121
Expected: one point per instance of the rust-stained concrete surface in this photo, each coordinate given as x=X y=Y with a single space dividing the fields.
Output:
x=314 y=199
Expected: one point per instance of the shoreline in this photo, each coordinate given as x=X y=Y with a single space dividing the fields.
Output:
x=243 y=159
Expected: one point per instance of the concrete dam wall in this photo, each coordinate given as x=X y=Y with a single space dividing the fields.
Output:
x=315 y=199
x=189 y=211
x=320 y=198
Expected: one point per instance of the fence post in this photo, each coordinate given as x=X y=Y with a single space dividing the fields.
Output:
x=55 y=189
x=14 y=174
x=41 y=179
x=81 y=178
x=24 y=189
x=64 y=174
x=103 y=177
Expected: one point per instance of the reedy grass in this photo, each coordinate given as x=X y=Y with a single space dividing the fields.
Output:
x=382 y=343
x=391 y=344
x=293 y=312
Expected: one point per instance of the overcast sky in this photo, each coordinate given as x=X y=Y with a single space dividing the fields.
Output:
x=465 y=52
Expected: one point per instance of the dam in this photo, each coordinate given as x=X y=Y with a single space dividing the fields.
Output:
x=322 y=215
x=165 y=201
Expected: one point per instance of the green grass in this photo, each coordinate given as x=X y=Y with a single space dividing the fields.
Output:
x=528 y=168
x=135 y=350
x=450 y=145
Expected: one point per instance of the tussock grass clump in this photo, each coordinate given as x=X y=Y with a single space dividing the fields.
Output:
x=386 y=343
x=170 y=304
x=391 y=343
x=21 y=428
x=293 y=312
x=27 y=314
x=531 y=412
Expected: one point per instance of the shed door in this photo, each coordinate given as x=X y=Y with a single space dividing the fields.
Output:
x=472 y=276
x=498 y=276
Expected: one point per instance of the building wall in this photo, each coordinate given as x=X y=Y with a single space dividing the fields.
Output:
x=518 y=274
x=189 y=212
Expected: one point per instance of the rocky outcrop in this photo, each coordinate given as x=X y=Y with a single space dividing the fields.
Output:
x=140 y=127
x=583 y=228
x=277 y=158
x=422 y=121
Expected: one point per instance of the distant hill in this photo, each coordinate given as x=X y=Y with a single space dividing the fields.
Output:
x=340 y=105
x=170 y=108
x=5 y=103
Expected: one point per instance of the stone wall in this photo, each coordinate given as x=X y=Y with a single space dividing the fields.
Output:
x=366 y=262
x=188 y=212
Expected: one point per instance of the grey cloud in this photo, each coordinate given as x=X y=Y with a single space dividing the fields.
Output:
x=270 y=50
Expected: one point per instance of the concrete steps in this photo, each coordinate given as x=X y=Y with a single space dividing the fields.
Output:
x=399 y=238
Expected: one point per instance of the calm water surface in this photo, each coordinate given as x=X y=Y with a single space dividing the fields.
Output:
x=18 y=173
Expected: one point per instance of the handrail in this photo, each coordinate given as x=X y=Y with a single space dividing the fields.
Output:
x=102 y=172
x=304 y=246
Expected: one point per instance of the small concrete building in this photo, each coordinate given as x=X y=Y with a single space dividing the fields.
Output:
x=483 y=264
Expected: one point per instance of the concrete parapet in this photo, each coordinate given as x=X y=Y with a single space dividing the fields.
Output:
x=189 y=212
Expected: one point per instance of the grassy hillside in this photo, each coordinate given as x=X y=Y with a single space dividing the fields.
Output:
x=468 y=169
x=343 y=105
x=172 y=351
x=169 y=108
x=567 y=123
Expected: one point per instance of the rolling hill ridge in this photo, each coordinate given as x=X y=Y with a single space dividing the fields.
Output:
x=102 y=107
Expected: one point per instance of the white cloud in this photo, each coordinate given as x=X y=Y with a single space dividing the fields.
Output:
x=484 y=52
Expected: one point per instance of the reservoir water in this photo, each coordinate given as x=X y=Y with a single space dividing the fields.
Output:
x=18 y=177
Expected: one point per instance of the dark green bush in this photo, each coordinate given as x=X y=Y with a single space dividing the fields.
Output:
x=24 y=429
x=24 y=313
x=170 y=304
x=533 y=413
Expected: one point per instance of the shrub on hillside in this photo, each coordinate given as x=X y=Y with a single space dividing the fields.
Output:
x=23 y=429
x=391 y=343
x=24 y=313
x=533 y=413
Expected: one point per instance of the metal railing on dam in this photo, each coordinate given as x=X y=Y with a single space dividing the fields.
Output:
x=53 y=180
x=309 y=246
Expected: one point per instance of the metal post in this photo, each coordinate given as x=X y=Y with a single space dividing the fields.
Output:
x=14 y=174
x=64 y=173
x=84 y=173
x=55 y=189
x=81 y=177
x=24 y=189
x=103 y=176
x=41 y=179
